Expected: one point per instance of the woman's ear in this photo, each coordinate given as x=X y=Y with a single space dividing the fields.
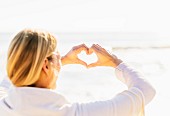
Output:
x=45 y=67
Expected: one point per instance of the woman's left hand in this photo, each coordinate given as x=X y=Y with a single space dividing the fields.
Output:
x=72 y=58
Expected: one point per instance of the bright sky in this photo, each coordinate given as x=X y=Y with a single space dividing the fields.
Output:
x=86 y=15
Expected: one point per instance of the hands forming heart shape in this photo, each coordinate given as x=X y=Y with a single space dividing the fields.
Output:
x=104 y=58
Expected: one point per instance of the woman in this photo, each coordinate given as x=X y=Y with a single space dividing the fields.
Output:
x=33 y=66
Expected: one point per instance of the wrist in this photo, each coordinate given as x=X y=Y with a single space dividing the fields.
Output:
x=63 y=62
x=116 y=62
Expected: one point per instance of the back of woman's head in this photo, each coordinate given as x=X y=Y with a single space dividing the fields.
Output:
x=26 y=55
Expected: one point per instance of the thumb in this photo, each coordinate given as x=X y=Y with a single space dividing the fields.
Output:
x=92 y=65
x=81 y=62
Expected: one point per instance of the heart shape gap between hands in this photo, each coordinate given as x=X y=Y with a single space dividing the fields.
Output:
x=88 y=58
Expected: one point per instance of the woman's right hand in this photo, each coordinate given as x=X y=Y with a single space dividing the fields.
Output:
x=104 y=58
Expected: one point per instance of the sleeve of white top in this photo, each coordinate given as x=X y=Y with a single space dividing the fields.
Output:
x=128 y=103
x=5 y=85
x=3 y=92
x=134 y=79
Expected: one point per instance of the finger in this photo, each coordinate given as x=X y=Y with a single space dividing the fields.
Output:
x=92 y=65
x=99 y=45
x=81 y=62
x=85 y=48
x=90 y=51
x=81 y=45
x=80 y=48
x=95 y=48
x=113 y=55
x=101 y=48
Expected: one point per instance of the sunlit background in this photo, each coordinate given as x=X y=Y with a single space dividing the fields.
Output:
x=86 y=15
x=138 y=31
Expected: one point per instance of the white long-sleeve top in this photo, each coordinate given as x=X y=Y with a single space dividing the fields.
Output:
x=31 y=101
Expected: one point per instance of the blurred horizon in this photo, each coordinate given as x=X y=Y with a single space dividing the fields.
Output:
x=118 y=40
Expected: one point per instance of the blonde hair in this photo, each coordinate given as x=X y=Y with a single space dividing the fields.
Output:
x=26 y=55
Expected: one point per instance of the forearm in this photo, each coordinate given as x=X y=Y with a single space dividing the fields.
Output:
x=133 y=78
